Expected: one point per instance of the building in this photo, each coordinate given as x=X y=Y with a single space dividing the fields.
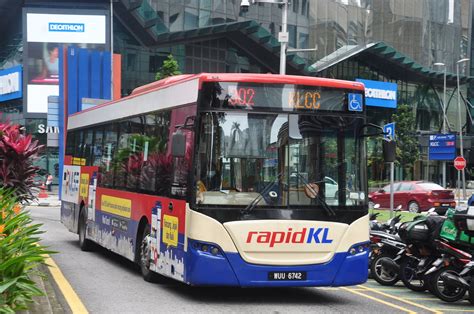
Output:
x=394 y=41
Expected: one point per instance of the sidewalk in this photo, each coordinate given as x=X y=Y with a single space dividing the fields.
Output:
x=52 y=200
x=50 y=303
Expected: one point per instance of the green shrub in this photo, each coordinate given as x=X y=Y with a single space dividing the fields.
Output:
x=20 y=254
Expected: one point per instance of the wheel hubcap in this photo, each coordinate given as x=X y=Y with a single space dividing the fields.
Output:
x=413 y=208
x=446 y=290
x=382 y=272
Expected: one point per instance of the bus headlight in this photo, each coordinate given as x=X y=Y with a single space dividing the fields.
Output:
x=207 y=248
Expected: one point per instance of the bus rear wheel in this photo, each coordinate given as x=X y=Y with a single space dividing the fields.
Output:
x=144 y=258
x=84 y=243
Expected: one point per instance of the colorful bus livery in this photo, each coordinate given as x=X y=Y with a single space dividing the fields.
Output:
x=225 y=179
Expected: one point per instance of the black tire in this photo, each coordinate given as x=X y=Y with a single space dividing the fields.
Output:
x=446 y=293
x=143 y=259
x=84 y=243
x=383 y=276
x=471 y=291
x=408 y=276
x=413 y=207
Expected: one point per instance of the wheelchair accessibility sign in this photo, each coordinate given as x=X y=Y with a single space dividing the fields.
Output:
x=354 y=102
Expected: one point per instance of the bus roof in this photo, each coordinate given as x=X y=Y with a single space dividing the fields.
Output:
x=168 y=88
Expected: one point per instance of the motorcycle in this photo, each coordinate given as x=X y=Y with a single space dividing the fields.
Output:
x=450 y=264
x=420 y=252
x=385 y=244
x=464 y=280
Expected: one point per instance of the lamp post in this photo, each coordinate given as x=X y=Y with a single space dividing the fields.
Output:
x=444 y=116
x=460 y=126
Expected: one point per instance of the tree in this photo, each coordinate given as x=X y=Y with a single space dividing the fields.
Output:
x=407 y=143
x=170 y=67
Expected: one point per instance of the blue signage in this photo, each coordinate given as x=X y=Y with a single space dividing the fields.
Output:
x=354 y=102
x=442 y=147
x=11 y=83
x=389 y=130
x=380 y=94
x=66 y=27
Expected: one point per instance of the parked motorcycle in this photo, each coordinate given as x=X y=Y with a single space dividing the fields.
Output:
x=385 y=244
x=420 y=251
x=463 y=280
x=449 y=265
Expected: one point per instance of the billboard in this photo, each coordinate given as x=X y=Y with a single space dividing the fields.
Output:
x=380 y=94
x=11 y=83
x=45 y=33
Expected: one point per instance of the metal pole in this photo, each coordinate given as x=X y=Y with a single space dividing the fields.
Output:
x=392 y=170
x=444 y=123
x=284 y=43
x=460 y=131
x=459 y=187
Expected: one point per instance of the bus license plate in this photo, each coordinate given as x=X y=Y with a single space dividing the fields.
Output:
x=287 y=275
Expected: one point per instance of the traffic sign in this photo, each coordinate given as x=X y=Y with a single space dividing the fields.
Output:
x=389 y=130
x=460 y=163
x=442 y=147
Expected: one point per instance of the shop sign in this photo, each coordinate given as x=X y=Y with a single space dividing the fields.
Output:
x=10 y=83
x=44 y=129
x=380 y=94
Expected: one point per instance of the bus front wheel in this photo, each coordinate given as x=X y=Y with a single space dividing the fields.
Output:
x=144 y=258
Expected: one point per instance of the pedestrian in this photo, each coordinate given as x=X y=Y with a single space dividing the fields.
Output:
x=49 y=182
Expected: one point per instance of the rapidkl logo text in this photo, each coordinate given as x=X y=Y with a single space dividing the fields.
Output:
x=66 y=27
x=316 y=235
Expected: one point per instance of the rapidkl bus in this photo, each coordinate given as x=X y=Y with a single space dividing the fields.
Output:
x=225 y=179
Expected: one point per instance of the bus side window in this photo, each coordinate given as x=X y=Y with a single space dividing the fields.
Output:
x=106 y=166
x=155 y=175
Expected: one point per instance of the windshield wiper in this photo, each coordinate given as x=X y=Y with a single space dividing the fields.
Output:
x=324 y=205
x=254 y=203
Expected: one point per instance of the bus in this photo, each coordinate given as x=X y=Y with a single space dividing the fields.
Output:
x=251 y=180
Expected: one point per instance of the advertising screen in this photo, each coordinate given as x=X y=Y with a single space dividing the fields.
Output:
x=45 y=33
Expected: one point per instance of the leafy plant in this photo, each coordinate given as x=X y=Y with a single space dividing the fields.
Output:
x=17 y=152
x=20 y=254
x=170 y=67
x=407 y=144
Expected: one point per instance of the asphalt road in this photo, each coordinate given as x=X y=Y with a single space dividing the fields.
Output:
x=107 y=283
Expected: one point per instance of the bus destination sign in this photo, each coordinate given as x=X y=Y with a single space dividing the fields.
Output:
x=252 y=96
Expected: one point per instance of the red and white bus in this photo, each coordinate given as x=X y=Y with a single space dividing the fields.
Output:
x=225 y=179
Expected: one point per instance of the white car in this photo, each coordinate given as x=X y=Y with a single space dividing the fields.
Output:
x=332 y=188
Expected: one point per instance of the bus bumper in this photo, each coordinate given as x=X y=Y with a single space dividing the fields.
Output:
x=229 y=269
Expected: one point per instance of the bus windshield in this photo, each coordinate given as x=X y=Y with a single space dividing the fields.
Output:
x=280 y=160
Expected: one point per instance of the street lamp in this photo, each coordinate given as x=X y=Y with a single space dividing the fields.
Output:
x=460 y=126
x=444 y=116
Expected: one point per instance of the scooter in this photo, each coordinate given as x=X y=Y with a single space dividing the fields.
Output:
x=444 y=269
x=416 y=258
x=385 y=244
x=464 y=280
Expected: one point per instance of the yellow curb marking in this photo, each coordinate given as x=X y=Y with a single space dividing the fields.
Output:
x=378 y=300
x=401 y=300
x=455 y=310
x=68 y=292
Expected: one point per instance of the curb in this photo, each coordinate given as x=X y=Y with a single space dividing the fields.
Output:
x=52 y=302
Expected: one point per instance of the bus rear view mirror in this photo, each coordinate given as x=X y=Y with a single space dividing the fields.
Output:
x=389 y=150
x=178 y=144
